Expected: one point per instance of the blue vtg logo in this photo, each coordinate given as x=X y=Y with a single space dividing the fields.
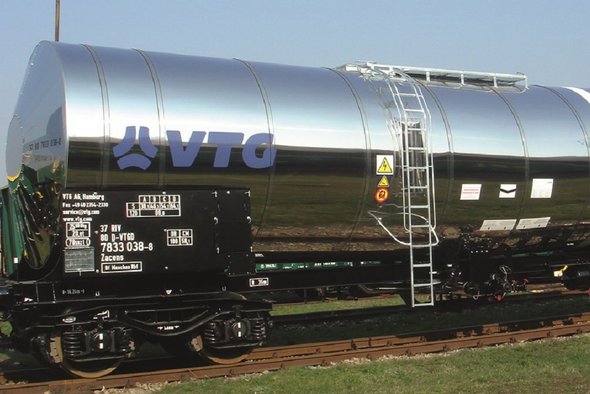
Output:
x=185 y=156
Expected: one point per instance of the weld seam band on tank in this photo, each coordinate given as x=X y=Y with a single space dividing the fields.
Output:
x=161 y=115
x=104 y=92
x=368 y=150
x=271 y=131
x=451 y=159
x=375 y=89
x=527 y=170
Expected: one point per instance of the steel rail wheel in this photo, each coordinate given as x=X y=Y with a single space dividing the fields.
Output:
x=221 y=356
x=90 y=369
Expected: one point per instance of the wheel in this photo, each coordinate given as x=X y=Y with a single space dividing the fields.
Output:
x=90 y=369
x=225 y=356
x=191 y=344
x=222 y=356
x=83 y=369
x=187 y=349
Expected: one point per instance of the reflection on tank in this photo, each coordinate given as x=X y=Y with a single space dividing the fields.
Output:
x=325 y=128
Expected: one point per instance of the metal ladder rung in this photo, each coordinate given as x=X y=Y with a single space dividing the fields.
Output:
x=423 y=265
x=414 y=110
x=402 y=94
x=417 y=167
x=417 y=187
x=412 y=106
x=421 y=225
x=422 y=285
x=419 y=206
x=422 y=304
x=421 y=246
x=417 y=148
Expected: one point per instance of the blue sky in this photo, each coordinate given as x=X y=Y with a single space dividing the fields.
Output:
x=547 y=40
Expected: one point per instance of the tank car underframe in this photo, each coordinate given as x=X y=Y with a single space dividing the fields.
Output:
x=90 y=336
x=88 y=327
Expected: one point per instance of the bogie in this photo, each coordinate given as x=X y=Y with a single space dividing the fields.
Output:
x=90 y=341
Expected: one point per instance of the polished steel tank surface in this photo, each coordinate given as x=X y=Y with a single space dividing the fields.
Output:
x=307 y=142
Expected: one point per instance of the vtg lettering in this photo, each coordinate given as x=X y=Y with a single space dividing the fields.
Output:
x=224 y=141
x=257 y=150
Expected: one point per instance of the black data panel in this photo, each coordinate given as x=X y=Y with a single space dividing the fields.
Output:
x=133 y=232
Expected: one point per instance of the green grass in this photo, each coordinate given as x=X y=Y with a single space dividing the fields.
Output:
x=550 y=366
x=5 y=328
x=280 y=310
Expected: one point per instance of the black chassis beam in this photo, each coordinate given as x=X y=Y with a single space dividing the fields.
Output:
x=155 y=316
x=309 y=278
x=44 y=305
x=56 y=296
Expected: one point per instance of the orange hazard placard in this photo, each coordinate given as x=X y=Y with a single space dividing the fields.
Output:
x=381 y=195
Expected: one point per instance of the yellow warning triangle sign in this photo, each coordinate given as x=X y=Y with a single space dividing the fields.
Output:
x=385 y=167
x=383 y=182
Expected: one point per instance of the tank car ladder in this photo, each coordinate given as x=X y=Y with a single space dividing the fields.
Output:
x=412 y=130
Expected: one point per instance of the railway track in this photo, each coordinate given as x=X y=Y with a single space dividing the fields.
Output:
x=325 y=353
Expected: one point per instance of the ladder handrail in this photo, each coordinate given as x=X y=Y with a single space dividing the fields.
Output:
x=405 y=143
x=412 y=124
x=435 y=74
x=379 y=220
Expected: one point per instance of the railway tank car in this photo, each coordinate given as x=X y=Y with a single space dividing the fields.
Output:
x=149 y=193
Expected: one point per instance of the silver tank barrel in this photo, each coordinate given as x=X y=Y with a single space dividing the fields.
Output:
x=307 y=142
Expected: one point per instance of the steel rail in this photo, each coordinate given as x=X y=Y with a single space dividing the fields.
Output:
x=326 y=353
